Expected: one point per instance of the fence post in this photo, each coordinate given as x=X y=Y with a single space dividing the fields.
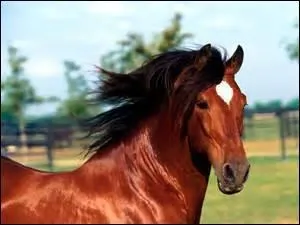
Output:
x=50 y=147
x=282 y=134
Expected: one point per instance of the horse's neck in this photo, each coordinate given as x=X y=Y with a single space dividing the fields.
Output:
x=154 y=156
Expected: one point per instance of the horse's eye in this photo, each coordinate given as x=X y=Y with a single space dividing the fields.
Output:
x=202 y=104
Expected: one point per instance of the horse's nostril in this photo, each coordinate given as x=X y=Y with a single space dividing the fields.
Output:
x=228 y=173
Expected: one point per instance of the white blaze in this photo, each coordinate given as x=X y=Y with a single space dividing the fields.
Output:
x=225 y=91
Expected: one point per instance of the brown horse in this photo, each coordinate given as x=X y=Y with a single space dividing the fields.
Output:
x=174 y=118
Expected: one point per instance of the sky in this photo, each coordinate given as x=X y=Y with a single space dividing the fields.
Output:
x=50 y=32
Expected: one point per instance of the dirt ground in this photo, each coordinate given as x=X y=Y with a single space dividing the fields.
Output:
x=75 y=156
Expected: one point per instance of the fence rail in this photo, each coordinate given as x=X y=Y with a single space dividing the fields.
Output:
x=281 y=124
x=278 y=125
x=37 y=135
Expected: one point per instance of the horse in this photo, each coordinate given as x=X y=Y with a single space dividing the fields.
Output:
x=174 y=118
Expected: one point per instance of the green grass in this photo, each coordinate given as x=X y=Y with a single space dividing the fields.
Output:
x=271 y=195
x=45 y=167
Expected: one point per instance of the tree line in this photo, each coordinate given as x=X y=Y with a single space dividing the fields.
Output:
x=17 y=92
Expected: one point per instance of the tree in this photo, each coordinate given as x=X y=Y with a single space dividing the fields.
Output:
x=293 y=103
x=134 y=50
x=8 y=115
x=76 y=104
x=259 y=107
x=293 y=47
x=266 y=107
x=17 y=90
x=274 y=105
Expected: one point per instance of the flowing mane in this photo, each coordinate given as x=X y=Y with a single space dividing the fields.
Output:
x=138 y=94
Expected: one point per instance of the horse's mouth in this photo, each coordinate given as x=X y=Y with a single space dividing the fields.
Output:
x=228 y=190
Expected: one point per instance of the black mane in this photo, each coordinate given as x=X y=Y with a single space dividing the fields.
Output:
x=140 y=93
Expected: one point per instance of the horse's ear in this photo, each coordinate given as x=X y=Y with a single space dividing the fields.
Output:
x=204 y=54
x=206 y=50
x=234 y=64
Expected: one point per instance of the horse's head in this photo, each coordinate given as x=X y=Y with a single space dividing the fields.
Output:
x=216 y=124
x=198 y=89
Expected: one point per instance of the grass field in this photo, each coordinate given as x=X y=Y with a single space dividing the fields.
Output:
x=271 y=195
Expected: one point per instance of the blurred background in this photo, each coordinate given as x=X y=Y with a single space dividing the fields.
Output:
x=49 y=51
